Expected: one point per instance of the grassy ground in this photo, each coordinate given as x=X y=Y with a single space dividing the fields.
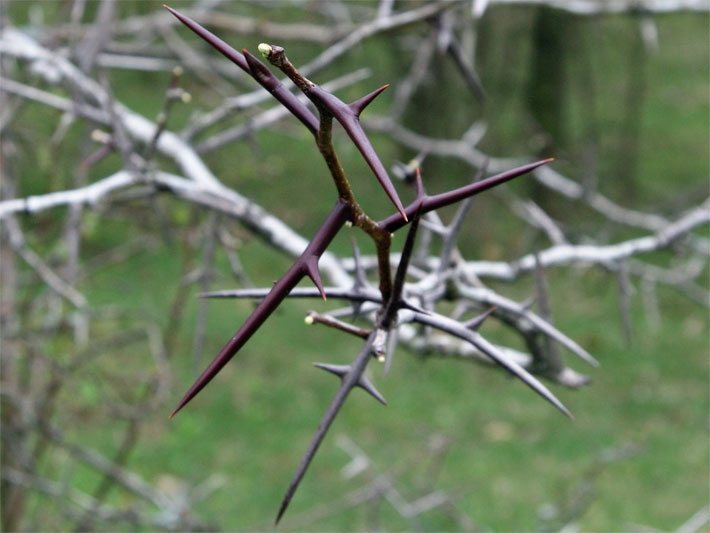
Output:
x=509 y=453
x=510 y=457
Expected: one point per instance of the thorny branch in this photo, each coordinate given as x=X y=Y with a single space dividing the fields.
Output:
x=405 y=308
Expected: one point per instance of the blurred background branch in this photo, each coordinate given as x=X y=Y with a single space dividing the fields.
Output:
x=127 y=188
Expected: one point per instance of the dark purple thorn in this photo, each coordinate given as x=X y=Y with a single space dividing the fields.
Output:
x=360 y=104
x=396 y=300
x=311 y=270
x=342 y=370
x=280 y=291
x=254 y=68
x=351 y=124
x=262 y=311
x=431 y=203
x=226 y=50
x=477 y=187
x=476 y=322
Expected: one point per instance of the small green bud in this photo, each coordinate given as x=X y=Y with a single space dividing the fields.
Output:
x=265 y=49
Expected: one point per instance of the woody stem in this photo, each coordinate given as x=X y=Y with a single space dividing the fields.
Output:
x=324 y=140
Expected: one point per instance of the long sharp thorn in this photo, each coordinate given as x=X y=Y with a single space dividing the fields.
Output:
x=351 y=124
x=361 y=103
x=394 y=222
x=226 y=50
x=499 y=357
x=515 y=369
x=448 y=198
x=262 y=311
x=329 y=229
x=357 y=135
x=401 y=273
x=551 y=331
x=311 y=270
x=349 y=381
x=251 y=66
x=563 y=339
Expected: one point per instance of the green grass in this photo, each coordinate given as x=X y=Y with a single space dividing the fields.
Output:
x=509 y=454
